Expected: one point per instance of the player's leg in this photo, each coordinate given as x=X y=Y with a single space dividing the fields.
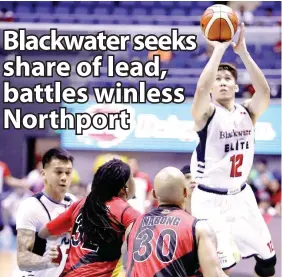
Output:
x=252 y=235
x=227 y=250
x=210 y=206
x=265 y=268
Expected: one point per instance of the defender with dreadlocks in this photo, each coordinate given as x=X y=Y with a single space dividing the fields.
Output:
x=97 y=223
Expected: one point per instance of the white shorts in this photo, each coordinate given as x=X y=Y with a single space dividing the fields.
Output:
x=238 y=223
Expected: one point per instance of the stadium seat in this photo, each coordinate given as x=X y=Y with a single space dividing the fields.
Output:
x=196 y=12
x=82 y=20
x=167 y=4
x=268 y=4
x=9 y=5
x=204 y=4
x=67 y=20
x=101 y=11
x=81 y=10
x=120 y=11
x=277 y=64
x=108 y=4
x=178 y=12
x=43 y=9
x=68 y=4
x=158 y=11
x=44 y=4
x=139 y=11
x=62 y=10
x=185 y=4
x=128 y=4
x=149 y=4
x=124 y=20
x=259 y=12
x=88 y=4
x=24 y=19
x=47 y=20
x=106 y=20
x=23 y=9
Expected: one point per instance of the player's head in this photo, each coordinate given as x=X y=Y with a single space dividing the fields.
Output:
x=225 y=84
x=57 y=170
x=190 y=181
x=109 y=181
x=169 y=187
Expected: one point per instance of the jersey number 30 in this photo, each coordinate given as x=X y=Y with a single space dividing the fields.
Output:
x=237 y=161
x=164 y=251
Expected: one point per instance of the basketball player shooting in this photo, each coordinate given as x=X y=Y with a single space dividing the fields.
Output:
x=223 y=159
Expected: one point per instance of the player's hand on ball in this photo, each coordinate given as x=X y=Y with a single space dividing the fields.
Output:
x=240 y=47
x=53 y=256
x=219 y=45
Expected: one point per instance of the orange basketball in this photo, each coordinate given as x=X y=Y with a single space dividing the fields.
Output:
x=219 y=22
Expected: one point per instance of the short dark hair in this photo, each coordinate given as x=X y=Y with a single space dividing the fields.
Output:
x=185 y=169
x=229 y=67
x=56 y=153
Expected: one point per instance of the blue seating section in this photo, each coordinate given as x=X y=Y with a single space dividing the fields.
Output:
x=120 y=11
x=145 y=12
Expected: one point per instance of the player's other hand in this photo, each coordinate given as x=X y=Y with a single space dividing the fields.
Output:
x=219 y=45
x=240 y=47
x=53 y=256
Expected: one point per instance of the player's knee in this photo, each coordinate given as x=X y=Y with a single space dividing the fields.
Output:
x=265 y=268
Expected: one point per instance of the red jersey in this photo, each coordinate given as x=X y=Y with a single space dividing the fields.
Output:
x=162 y=243
x=88 y=259
x=4 y=172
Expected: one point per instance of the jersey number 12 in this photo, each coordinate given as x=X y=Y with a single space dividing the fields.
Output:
x=237 y=161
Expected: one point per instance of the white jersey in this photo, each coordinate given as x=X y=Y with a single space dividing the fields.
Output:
x=33 y=214
x=224 y=155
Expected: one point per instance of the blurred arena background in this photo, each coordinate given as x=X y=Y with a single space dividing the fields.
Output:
x=162 y=134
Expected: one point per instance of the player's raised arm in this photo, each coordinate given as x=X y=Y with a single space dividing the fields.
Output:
x=260 y=100
x=29 y=261
x=207 y=251
x=202 y=108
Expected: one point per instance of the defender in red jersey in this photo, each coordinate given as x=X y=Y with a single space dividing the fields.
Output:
x=168 y=241
x=97 y=223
